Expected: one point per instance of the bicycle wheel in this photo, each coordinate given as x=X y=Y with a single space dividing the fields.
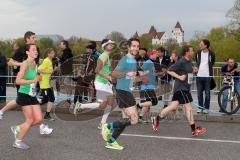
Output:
x=228 y=101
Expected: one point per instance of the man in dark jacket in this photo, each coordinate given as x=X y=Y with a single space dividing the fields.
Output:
x=66 y=66
x=205 y=59
x=66 y=58
x=3 y=74
x=161 y=65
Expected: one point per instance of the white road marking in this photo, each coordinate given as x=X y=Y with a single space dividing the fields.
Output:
x=181 y=138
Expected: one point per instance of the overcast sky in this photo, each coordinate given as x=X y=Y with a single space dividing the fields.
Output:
x=95 y=18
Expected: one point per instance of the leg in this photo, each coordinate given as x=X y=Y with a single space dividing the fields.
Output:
x=37 y=115
x=200 y=89
x=207 y=93
x=173 y=106
x=11 y=105
x=24 y=127
x=189 y=113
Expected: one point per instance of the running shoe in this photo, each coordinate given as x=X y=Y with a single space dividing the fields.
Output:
x=106 y=132
x=155 y=123
x=199 y=131
x=100 y=126
x=20 y=145
x=48 y=117
x=199 y=111
x=142 y=121
x=114 y=145
x=1 y=115
x=205 y=111
x=15 y=131
x=45 y=130
x=77 y=108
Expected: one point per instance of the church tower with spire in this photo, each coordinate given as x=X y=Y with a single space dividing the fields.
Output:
x=178 y=33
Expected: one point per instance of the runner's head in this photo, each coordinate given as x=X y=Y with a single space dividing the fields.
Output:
x=153 y=55
x=50 y=53
x=133 y=46
x=31 y=51
x=107 y=45
x=187 y=51
x=143 y=52
x=30 y=37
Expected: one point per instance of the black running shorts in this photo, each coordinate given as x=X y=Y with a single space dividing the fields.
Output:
x=183 y=97
x=125 y=99
x=25 y=100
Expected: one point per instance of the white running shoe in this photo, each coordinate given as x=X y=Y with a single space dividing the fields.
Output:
x=1 y=115
x=205 y=111
x=45 y=130
x=199 y=110
x=77 y=108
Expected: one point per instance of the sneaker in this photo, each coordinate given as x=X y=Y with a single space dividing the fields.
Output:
x=199 y=131
x=105 y=132
x=1 y=115
x=199 y=111
x=72 y=106
x=48 y=117
x=77 y=108
x=155 y=123
x=45 y=130
x=20 y=145
x=205 y=111
x=100 y=126
x=142 y=120
x=15 y=131
x=114 y=145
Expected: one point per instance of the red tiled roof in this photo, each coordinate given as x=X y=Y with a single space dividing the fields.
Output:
x=153 y=35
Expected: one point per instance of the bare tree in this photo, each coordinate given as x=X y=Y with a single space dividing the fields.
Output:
x=116 y=36
x=234 y=14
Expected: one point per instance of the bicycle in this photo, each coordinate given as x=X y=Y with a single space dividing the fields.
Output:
x=228 y=97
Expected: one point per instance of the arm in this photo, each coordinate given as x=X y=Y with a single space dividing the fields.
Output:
x=12 y=62
x=172 y=71
x=20 y=77
x=3 y=61
x=43 y=68
x=213 y=58
x=175 y=75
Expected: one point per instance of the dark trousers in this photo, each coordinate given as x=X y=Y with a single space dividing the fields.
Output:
x=3 y=90
x=203 y=84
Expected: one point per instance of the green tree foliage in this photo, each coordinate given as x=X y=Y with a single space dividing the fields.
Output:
x=146 y=42
x=80 y=47
x=6 y=48
x=45 y=43
x=223 y=42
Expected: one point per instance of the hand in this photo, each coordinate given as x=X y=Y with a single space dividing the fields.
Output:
x=195 y=69
x=182 y=77
x=144 y=79
x=20 y=64
x=56 y=69
x=110 y=78
x=131 y=74
x=37 y=79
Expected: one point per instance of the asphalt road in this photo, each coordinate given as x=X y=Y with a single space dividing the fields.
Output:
x=81 y=140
